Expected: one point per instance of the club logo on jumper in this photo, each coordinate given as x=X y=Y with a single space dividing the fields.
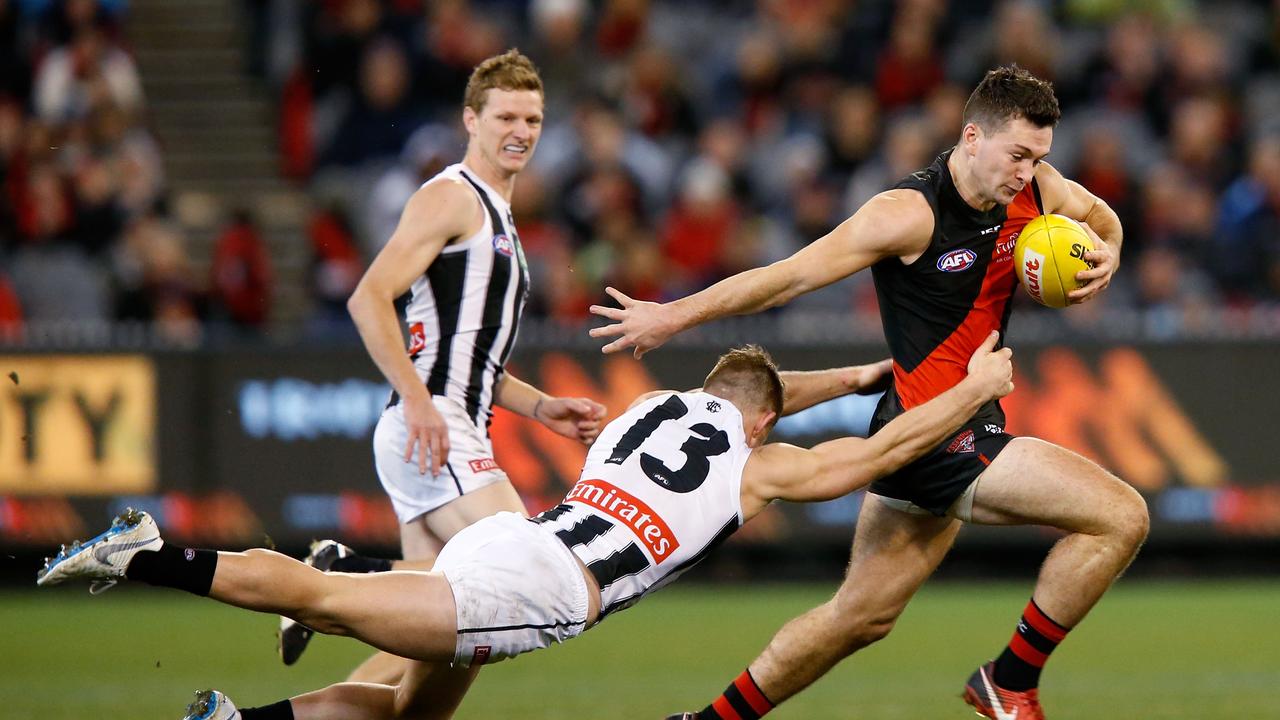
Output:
x=483 y=464
x=417 y=338
x=962 y=444
x=713 y=406
x=503 y=245
x=1032 y=262
x=630 y=511
x=957 y=260
x=481 y=655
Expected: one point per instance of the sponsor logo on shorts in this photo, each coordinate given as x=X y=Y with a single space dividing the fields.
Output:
x=483 y=465
x=962 y=444
x=993 y=429
x=189 y=554
x=481 y=655
x=957 y=260
x=503 y=245
x=620 y=505
x=417 y=338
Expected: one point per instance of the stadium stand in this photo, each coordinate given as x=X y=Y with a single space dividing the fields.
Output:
x=685 y=141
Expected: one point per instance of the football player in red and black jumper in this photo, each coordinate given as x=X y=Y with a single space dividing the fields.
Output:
x=940 y=248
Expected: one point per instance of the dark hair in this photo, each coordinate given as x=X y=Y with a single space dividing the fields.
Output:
x=509 y=71
x=1010 y=92
x=750 y=375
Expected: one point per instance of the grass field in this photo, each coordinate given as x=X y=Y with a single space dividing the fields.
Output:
x=1209 y=651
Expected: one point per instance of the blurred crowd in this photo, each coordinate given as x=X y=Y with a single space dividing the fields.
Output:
x=83 y=229
x=684 y=140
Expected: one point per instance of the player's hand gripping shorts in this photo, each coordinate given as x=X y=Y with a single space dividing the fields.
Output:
x=516 y=586
x=470 y=463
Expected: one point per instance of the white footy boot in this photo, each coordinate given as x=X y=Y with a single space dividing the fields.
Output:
x=104 y=558
x=211 y=705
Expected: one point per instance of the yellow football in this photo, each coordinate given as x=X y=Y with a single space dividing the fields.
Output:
x=1048 y=254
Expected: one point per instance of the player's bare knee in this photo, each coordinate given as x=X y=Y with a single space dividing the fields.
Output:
x=327 y=608
x=324 y=616
x=1134 y=520
x=260 y=555
x=1124 y=520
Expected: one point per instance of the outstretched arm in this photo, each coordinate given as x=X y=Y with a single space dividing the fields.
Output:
x=837 y=467
x=893 y=223
x=804 y=389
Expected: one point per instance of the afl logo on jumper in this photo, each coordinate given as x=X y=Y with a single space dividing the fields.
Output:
x=957 y=260
x=503 y=245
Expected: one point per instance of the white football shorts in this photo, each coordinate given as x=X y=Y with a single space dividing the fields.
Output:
x=470 y=466
x=516 y=586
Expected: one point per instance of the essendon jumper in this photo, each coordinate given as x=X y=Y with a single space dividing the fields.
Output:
x=937 y=310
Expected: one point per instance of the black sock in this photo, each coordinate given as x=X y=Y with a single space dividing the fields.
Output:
x=1036 y=637
x=282 y=710
x=742 y=700
x=360 y=564
x=175 y=567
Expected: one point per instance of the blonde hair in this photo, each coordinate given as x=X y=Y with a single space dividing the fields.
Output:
x=749 y=374
x=509 y=71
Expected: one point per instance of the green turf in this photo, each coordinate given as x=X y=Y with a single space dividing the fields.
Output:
x=1151 y=650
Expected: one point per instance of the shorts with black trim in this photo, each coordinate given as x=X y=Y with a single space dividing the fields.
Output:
x=470 y=465
x=935 y=481
x=517 y=588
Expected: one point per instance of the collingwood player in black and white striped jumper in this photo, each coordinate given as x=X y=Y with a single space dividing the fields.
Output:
x=456 y=248
x=664 y=484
